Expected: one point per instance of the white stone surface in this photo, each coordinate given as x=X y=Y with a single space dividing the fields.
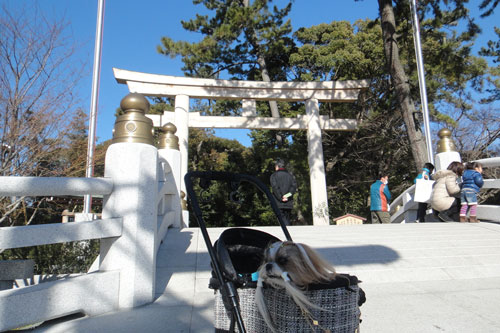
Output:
x=40 y=186
x=133 y=168
x=489 y=162
x=172 y=157
x=270 y=123
x=249 y=108
x=165 y=85
x=442 y=160
x=182 y=123
x=42 y=234
x=488 y=213
x=253 y=122
x=92 y=294
x=16 y=269
x=326 y=95
x=81 y=217
x=491 y=183
x=319 y=195
x=185 y=218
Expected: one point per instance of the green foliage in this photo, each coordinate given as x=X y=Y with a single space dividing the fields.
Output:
x=234 y=37
x=251 y=209
x=62 y=258
x=209 y=153
x=159 y=105
x=332 y=51
x=493 y=50
x=453 y=74
x=484 y=6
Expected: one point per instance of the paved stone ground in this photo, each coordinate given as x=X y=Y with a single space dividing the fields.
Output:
x=428 y=277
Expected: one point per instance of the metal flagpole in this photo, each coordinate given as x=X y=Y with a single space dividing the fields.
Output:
x=421 y=79
x=87 y=202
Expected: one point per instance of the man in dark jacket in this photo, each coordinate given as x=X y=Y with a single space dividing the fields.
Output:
x=284 y=186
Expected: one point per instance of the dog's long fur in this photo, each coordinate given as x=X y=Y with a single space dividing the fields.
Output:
x=291 y=266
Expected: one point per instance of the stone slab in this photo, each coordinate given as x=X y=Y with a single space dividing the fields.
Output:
x=16 y=269
x=29 y=305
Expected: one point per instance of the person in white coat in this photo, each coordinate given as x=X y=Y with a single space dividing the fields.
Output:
x=445 y=198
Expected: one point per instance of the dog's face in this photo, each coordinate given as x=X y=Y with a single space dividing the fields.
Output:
x=295 y=261
x=292 y=266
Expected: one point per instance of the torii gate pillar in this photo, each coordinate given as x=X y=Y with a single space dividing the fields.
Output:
x=317 y=175
x=182 y=123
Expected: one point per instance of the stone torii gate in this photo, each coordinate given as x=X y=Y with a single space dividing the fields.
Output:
x=184 y=88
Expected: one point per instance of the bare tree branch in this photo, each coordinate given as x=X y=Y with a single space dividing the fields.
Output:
x=38 y=75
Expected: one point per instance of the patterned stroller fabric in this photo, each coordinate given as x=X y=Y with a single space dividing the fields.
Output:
x=340 y=311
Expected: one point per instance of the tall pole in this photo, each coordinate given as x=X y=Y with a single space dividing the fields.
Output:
x=421 y=80
x=87 y=202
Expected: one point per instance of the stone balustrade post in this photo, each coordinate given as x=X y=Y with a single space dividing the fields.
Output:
x=132 y=163
x=446 y=150
x=168 y=150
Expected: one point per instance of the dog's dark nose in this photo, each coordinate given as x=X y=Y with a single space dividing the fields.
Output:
x=269 y=267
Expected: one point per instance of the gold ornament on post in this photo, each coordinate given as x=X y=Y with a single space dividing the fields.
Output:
x=184 y=204
x=134 y=126
x=168 y=139
x=445 y=143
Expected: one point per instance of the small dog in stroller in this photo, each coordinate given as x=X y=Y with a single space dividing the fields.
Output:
x=293 y=267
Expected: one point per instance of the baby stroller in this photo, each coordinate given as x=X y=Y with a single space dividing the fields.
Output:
x=239 y=252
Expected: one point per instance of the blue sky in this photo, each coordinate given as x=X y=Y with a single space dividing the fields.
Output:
x=133 y=29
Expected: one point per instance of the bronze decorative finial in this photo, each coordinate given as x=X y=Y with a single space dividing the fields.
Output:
x=134 y=126
x=445 y=143
x=168 y=139
x=184 y=204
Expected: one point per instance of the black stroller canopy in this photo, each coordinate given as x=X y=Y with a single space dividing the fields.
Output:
x=240 y=252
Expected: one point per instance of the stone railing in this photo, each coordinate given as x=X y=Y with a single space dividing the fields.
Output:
x=140 y=201
x=489 y=212
x=404 y=209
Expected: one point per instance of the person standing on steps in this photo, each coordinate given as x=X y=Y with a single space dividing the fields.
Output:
x=284 y=187
x=379 y=200
x=422 y=206
x=472 y=181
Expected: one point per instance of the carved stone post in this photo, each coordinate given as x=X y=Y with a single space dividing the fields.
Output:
x=132 y=163
x=446 y=150
x=168 y=149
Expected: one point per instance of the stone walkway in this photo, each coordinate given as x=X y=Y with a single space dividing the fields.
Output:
x=428 y=277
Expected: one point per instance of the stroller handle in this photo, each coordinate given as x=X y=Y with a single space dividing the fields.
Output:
x=229 y=177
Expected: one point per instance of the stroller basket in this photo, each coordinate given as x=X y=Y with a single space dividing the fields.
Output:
x=340 y=311
x=239 y=252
